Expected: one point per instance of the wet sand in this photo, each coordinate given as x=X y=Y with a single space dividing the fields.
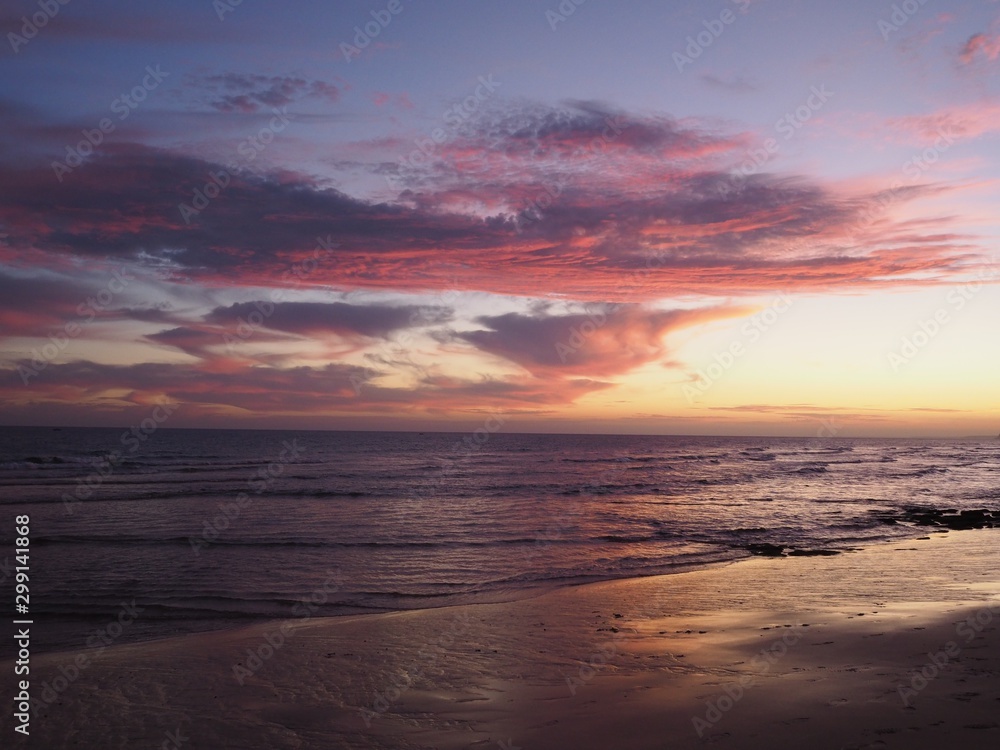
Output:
x=895 y=646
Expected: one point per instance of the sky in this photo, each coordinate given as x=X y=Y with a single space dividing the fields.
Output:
x=732 y=217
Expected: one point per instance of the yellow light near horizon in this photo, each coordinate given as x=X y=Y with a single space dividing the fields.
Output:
x=880 y=355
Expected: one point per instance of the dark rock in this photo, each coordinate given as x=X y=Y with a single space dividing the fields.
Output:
x=813 y=552
x=978 y=518
x=765 y=550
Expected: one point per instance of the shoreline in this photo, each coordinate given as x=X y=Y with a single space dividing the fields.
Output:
x=524 y=594
x=612 y=663
x=508 y=596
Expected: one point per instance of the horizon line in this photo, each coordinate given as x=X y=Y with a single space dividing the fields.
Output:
x=463 y=431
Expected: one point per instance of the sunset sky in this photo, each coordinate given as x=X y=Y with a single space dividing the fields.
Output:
x=731 y=217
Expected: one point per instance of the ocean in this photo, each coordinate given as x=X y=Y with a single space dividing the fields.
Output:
x=206 y=529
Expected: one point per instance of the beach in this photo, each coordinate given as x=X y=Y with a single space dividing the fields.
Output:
x=894 y=645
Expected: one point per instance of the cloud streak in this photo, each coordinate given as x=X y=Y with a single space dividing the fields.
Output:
x=249 y=93
x=669 y=218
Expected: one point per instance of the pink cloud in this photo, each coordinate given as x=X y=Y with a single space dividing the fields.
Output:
x=958 y=122
x=980 y=44
x=401 y=101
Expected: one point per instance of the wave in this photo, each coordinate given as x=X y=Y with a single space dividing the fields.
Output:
x=623 y=539
x=223 y=541
x=611 y=459
x=819 y=469
x=923 y=472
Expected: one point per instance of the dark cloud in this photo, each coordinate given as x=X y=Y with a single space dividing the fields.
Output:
x=194 y=341
x=588 y=128
x=647 y=228
x=39 y=304
x=215 y=335
x=248 y=93
x=604 y=340
x=318 y=318
x=733 y=82
x=264 y=390
x=31 y=306
x=126 y=203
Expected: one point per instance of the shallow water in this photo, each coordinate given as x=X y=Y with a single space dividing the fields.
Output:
x=194 y=526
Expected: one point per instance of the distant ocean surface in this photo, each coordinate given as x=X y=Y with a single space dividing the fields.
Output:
x=388 y=521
